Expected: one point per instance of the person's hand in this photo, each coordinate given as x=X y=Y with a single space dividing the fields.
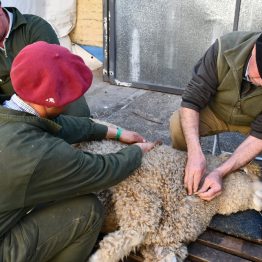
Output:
x=130 y=137
x=125 y=136
x=147 y=146
x=194 y=171
x=212 y=186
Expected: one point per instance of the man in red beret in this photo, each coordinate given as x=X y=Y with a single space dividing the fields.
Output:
x=17 y=31
x=224 y=95
x=47 y=209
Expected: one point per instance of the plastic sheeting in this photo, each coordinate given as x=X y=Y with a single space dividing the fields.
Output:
x=158 y=42
x=60 y=14
x=155 y=44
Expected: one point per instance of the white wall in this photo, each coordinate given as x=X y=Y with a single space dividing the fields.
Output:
x=60 y=14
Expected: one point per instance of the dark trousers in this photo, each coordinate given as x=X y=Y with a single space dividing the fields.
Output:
x=64 y=231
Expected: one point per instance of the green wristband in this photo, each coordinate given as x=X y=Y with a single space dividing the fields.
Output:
x=118 y=133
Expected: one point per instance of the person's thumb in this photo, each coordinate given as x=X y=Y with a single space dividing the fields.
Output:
x=204 y=188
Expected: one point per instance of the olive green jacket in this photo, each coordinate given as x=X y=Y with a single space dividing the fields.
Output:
x=26 y=29
x=38 y=164
x=227 y=103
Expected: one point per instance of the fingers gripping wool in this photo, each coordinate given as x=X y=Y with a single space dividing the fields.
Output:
x=154 y=212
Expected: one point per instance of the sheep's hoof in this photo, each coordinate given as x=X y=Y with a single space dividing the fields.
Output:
x=95 y=258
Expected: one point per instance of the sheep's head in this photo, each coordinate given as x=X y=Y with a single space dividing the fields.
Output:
x=242 y=190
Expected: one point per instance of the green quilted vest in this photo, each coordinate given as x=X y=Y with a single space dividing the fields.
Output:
x=234 y=48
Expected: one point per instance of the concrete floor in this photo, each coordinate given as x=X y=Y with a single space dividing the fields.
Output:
x=144 y=111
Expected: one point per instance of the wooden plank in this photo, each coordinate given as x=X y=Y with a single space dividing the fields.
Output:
x=219 y=247
x=202 y=253
x=134 y=258
x=89 y=23
x=232 y=245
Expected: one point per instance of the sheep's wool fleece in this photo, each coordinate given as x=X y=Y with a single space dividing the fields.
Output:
x=153 y=198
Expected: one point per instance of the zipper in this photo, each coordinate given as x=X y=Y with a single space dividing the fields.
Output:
x=5 y=53
x=4 y=49
x=235 y=109
x=238 y=105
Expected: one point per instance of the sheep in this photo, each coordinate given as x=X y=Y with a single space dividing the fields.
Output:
x=153 y=211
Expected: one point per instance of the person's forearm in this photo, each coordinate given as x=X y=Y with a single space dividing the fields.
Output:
x=111 y=132
x=246 y=152
x=190 y=126
x=196 y=163
x=78 y=129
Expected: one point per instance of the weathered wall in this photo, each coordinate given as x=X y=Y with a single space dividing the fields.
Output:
x=159 y=42
x=89 y=26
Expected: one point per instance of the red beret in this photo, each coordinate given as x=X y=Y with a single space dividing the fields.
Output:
x=49 y=75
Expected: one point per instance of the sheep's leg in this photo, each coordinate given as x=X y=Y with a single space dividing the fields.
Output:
x=164 y=254
x=181 y=253
x=115 y=246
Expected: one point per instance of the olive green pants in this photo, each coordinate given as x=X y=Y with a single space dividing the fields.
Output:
x=209 y=124
x=64 y=231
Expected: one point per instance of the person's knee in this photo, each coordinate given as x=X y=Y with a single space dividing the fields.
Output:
x=88 y=209
x=176 y=132
x=94 y=208
x=98 y=207
x=85 y=215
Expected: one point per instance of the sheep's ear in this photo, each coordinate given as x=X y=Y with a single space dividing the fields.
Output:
x=253 y=169
x=224 y=156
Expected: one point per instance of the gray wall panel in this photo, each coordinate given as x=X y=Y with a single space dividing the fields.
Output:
x=250 y=18
x=158 y=42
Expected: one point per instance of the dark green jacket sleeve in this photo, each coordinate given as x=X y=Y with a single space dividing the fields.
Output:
x=78 y=129
x=65 y=172
x=256 y=127
x=39 y=29
x=204 y=81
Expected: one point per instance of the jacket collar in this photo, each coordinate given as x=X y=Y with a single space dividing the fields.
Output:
x=236 y=57
x=11 y=115
x=18 y=18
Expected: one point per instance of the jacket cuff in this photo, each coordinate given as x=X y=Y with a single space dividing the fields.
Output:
x=135 y=153
x=100 y=131
x=256 y=134
x=190 y=106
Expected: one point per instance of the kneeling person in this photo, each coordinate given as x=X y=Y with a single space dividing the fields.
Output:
x=47 y=209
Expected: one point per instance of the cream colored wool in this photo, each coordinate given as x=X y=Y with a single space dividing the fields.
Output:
x=154 y=212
